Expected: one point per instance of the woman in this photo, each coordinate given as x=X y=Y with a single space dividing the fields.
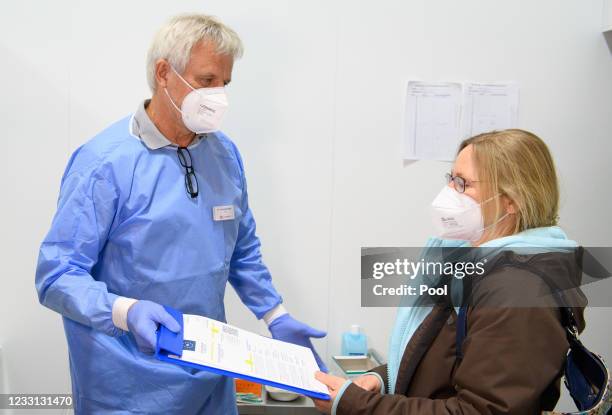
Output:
x=502 y=195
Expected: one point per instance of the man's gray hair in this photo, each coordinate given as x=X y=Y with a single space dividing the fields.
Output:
x=175 y=39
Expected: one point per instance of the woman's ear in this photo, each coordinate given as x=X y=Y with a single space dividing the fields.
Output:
x=509 y=205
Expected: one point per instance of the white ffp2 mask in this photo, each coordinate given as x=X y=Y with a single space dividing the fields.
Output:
x=202 y=109
x=458 y=216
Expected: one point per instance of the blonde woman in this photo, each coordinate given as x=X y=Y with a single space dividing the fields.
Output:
x=502 y=194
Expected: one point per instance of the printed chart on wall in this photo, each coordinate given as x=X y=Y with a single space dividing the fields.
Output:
x=438 y=115
x=433 y=112
x=489 y=106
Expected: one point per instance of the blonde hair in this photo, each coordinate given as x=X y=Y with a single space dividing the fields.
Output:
x=175 y=39
x=518 y=164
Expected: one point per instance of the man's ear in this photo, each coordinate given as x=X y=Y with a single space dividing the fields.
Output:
x=162 y=70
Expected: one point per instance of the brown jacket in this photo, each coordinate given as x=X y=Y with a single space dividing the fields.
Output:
x=513 y=352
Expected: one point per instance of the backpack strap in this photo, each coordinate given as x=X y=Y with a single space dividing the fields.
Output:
x=461 y=332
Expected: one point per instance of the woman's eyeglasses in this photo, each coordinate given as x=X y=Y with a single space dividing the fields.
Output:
x=460 y=182
x=191 y=181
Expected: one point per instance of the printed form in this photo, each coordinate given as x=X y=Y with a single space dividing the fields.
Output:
x=489 y=107
x=438 y=115
x=218 y=345
x=433 y=115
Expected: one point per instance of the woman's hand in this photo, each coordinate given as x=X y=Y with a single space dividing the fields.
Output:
x=368 y=382
x=333 y=383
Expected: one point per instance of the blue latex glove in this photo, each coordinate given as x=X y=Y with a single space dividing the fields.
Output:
x=143 y=318
x=289 y=330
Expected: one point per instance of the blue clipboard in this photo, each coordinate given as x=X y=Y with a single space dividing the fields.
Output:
x=170 y=343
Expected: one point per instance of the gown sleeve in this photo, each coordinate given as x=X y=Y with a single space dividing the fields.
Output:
x=248 y=274
x=85 y=211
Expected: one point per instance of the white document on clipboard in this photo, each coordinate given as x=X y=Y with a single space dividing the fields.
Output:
x=211 y=345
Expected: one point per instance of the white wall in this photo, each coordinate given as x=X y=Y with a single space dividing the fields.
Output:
x=316 y=109
x=607 y=22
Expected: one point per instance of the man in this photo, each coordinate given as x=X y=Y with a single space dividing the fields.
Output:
x=152 y=211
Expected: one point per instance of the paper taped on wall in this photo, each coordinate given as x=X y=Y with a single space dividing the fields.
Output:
x=438 y=115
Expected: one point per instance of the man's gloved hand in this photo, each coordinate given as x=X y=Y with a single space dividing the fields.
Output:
x=143 y=318
x=289 y=330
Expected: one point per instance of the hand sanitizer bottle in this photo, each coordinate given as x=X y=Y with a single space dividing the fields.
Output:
x=354 y=343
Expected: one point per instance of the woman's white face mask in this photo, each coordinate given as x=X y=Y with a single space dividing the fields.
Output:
x=457 y=216
x=202 y=109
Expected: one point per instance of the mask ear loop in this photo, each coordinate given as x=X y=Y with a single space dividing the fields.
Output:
x=197 y=91
x=491 y=198
x=182 y=79
x=498 y=220
x=172 y=101
x=186 y=83
x=483 y=230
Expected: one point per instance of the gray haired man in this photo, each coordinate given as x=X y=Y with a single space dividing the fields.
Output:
x=154 y=210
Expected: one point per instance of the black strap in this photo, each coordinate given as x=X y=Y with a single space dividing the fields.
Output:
x=461 y=332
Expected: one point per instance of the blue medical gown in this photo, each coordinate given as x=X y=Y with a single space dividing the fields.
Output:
x=126 y=226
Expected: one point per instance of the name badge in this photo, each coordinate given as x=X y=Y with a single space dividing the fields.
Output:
x=223 y=213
